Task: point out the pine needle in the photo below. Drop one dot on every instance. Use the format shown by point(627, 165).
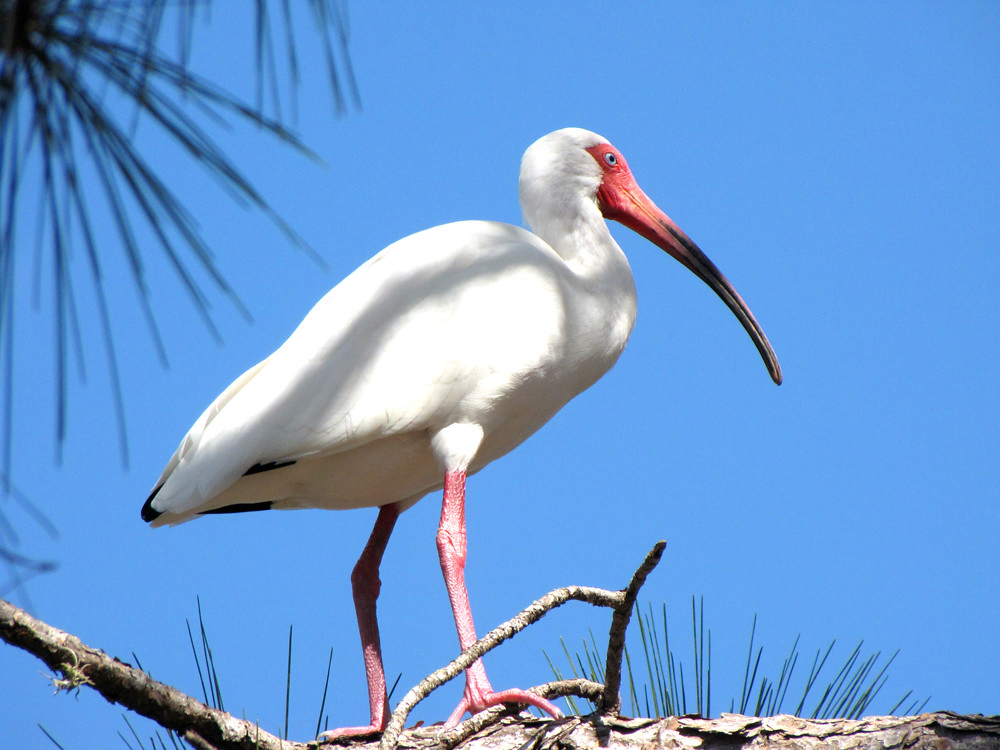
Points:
point(850, 693)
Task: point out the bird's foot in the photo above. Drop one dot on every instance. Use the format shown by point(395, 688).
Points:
point(335, 734)
point(479, 696)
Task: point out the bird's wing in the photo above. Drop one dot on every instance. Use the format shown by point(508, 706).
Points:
point(193, 438)
point(437, 323)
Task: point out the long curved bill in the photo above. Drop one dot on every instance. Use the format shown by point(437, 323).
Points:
point(626, 203)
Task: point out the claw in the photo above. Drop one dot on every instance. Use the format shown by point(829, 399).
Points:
point(479, 696)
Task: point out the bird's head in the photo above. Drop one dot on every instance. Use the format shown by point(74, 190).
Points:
point(569, 168)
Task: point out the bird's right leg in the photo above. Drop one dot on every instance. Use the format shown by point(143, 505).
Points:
point(366, 584)
point(452, 549)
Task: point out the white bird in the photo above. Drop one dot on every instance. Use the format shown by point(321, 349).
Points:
point(439, 355)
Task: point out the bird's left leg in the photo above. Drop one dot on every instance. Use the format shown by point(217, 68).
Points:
point(366, 585)
point(452, 549)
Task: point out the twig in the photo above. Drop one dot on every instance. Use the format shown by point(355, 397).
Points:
point(611, 700)
point(617, 600)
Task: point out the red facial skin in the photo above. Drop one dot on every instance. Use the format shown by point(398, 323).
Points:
point(621, 199)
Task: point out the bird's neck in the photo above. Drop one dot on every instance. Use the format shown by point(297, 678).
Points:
point(601, 272)
point(582, 239)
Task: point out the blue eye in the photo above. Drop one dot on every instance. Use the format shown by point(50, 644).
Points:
point(611, 159)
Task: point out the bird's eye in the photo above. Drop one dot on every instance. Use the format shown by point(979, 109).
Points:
point(611, 159)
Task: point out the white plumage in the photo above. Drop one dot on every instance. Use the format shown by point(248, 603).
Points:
point(437, 356)
point(468, 323)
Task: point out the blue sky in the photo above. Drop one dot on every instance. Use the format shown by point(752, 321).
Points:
point(839, 163)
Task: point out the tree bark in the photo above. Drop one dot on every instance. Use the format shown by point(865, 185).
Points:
point(118, 682)
point(932, 731)
point(207, 728)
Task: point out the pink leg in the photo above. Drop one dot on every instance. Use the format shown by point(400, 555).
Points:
point(452, 549)
point(366, 585)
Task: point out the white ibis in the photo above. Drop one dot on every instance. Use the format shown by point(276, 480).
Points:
point(437, 356)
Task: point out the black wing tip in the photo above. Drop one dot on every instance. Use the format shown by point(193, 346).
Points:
point(149, 513)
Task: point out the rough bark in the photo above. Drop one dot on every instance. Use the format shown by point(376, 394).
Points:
point(80, 664)
point(933, 731)
point(208, 728)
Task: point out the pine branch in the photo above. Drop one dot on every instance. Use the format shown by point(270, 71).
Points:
point(118, 682)
point(207, 728)
point(80, 664)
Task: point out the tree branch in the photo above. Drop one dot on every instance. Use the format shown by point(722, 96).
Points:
point(729, 732)
point(118, 682)
point(206, 728)
point(620, 601)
